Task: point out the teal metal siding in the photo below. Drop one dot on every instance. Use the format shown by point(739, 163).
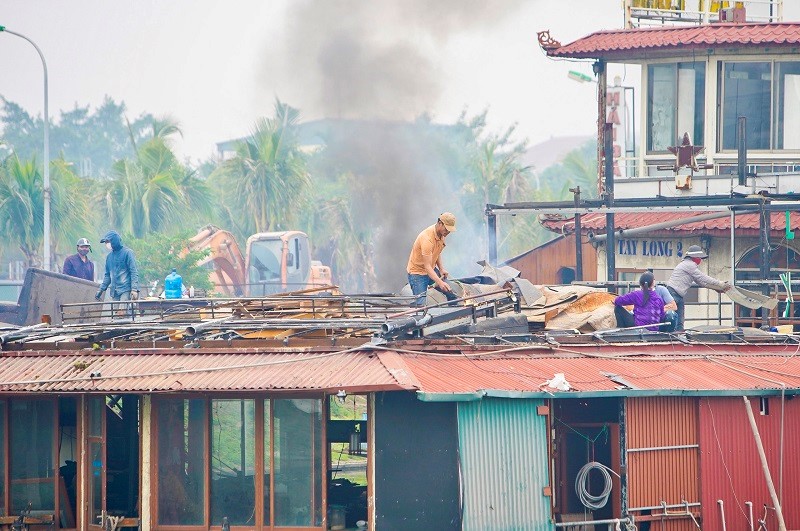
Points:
point(503, 452)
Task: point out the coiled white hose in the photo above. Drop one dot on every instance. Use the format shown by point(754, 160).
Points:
point(582, 488)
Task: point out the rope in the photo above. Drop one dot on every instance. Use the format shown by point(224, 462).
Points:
point(582, 489)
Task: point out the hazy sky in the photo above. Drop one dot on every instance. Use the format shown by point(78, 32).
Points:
point(217, 66)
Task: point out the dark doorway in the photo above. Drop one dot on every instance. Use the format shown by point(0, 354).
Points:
point(585, 431)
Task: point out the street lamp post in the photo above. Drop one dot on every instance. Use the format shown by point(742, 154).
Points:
point(46, 253)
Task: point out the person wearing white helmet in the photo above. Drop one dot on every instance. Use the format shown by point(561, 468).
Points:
point(78, 265)
point(687, 273)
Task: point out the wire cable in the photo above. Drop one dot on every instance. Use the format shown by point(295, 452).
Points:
point(588, 499)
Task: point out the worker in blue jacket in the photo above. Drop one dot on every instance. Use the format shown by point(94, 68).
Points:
point(121, 274)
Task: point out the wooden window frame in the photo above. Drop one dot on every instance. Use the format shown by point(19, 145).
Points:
point(259, 471)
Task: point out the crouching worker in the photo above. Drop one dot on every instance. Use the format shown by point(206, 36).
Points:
point(648, 307)
point(425, 262)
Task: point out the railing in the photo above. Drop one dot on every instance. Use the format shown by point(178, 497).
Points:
point(694, 12)
point(724, 166)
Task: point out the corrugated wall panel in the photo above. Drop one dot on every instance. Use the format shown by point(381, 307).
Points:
point(503, 451)
point(657, 471)
point(730, 466)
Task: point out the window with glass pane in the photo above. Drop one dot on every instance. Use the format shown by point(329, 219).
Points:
point(787, 91)
point(181, 461)
point(297, 460)
point(67, 441)
point(676, 104)
point(96, 482)
point(96, 410)
point(233, 462)
point(747, 91)
point(31, 455)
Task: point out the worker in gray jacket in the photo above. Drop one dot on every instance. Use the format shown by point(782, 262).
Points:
point(687, 273)
point(121, 275)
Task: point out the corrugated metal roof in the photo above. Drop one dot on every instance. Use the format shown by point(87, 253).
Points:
point(623, 371)
point(164, 371)
point(729, 464)
point(661, 434)
point(631, 43)
point(447, 368)
point(746, 224)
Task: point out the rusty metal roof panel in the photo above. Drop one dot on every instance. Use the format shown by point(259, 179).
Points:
point(661, 434)
point(167, 372)
point(730, 469)
point(655, 370)
point(632, 43)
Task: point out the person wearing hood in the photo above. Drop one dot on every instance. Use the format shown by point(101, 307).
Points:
point(122, 275)
point(78, 265)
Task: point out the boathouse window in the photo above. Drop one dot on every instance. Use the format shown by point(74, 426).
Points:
point(675, 104)
point(767, 93)
point(31, 450)
point(181, 461)
point(233, 475)
point(258, 463)
point(41, 435)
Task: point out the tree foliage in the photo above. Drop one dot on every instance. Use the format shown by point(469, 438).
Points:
point(351, 193)
point(22, 211)
point(157, 253)
point(262, 188)
point(153, 191)
point(92, 140)
point(578, 168)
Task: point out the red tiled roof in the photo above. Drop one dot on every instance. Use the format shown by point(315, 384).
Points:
point(746, 224)
point(643, 368)
point(632, 43)
point(151, 371)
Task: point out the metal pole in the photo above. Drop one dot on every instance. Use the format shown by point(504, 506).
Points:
point(733, 264)
point(46, 158)
point(608, 153)
point(741, 148)
point(764, 465)
point(491, 222)
point(764, 226)
point(623, 459)
point(578, 245)
point(599, 69)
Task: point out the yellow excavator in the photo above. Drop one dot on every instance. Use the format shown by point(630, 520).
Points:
point(274, 262)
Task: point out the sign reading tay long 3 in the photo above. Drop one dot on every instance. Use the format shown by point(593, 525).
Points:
point(650, 248)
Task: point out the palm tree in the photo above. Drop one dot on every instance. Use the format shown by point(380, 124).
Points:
point(154, 192)
point(21, 200)
point(263, 186)
point(496, 175)
point(343, 244)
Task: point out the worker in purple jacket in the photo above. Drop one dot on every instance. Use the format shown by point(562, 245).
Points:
point(78, 265)
point(648, 307)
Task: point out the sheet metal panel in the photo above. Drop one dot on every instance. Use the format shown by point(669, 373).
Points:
point(730, 467)
point(416, 464)
point(644, 367)
point(663, 457)
point(167, 371)
point(504, 468)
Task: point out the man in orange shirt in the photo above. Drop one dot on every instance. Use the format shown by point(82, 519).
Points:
point(425, 262)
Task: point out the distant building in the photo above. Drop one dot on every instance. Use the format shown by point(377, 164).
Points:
point(698, 76)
